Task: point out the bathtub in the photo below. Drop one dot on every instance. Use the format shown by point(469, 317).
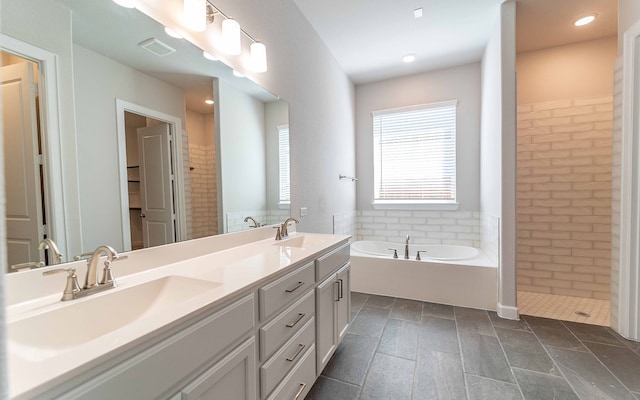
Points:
point(446, 274)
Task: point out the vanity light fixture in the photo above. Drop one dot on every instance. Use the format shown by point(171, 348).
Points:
point(231, 36)
point(408, 58)
point(195, 14)
point(209, 101)
point(126, 3)
point(587, 19)
point(258, 57)
point(172, 33)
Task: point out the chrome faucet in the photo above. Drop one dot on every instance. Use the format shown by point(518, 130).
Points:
point(255, 223)
point(406, 248)
point(49, 244)
point(73, 291)
point(284, 231)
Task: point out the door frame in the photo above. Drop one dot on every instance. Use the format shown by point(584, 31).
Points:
point(57, 227)
point(175, 125)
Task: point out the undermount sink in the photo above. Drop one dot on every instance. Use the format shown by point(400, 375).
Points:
point(80, 321)
point(303, 241)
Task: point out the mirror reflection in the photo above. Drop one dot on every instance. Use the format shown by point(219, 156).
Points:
point(155, 162)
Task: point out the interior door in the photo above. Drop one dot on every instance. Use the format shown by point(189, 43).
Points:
point(156, 185)
point(22, 164)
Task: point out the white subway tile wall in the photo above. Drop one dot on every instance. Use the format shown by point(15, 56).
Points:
point(204, 203)
point(564, 197)
point(424, 227)
point(615, 189)
point(235, 220)
point(490, 236)
point(345, 224)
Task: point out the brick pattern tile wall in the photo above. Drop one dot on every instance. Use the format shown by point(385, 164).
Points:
point(187, 183)
point(615, 190)
point(204, 204)
point(424, 227)
point(564, 197)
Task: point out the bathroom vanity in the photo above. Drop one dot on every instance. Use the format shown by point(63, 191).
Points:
point(254, 318)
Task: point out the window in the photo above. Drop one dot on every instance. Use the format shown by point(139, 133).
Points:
point(414, 154)
point(283, 163)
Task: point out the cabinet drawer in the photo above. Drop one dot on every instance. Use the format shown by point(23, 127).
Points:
point(277, 367)
point(330, 262)
point(184, 352)
point(276, 332)
point(277, 294)
point(297, 384)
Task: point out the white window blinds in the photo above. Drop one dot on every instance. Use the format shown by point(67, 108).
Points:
point(283, 162)
point(414, 152)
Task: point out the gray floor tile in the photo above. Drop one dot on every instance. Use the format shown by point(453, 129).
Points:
point(370, 321)
point(438, 334)
point(588, 377)
point(475, 321)
point(400, 338)
point(388, 378)
point(351, 359)
point(537, 386)
point(358, 300)
point(523, 350)
point(637, 395)
point(480, 388)
point(331, 389)
point(635, 346)
point(409, 310)
point(592, 333)
point(553, 333)
point(438, 376)
point(483, 356)
point(438, 310)
point(624, 364)
point(375, 300)
point(519, 325)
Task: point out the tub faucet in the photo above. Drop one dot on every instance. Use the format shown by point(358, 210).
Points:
point(406, 248)
point(255, 223)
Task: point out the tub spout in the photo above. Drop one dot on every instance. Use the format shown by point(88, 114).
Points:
point(406, 248)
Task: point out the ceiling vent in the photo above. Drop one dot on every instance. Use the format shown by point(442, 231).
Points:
point(156, 47)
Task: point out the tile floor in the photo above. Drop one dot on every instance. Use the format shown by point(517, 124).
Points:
point(564, 308)
point(398, 349)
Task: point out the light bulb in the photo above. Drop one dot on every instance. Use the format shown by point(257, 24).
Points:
point(195, 14)
point(258, 57)
point(231, 36)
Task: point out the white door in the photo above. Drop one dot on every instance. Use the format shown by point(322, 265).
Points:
point(156, 185)
point(22, 166)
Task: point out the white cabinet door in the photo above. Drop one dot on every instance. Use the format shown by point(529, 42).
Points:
point(343, 312)
point(326, 297)
point(232, 378)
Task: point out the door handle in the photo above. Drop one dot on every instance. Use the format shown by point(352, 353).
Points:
point(340, 289)
point(142, 216)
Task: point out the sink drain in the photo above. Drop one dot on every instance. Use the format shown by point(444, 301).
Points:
point(583, 314)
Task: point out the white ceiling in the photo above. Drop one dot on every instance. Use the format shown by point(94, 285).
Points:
point(369, 37)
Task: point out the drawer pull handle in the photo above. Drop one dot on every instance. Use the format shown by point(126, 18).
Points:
point(294, 323)
point(302, 387)
point(300, 283)
point(300, 348)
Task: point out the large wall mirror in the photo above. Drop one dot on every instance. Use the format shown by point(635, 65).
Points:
point(169, 147)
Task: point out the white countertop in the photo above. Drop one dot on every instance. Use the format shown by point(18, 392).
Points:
point(33, 370)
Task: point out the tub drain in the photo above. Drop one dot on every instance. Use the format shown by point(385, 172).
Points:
point(583, 314)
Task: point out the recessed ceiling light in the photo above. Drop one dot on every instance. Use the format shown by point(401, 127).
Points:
point(409, 58)
point(587, 19)
point(172, 33)
point(417, 13)
point(209, 56)
point(209, 101)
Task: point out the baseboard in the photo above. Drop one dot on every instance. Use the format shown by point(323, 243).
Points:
point(508, 312)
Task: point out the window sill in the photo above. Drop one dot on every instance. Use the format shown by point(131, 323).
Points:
point(408, 205)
